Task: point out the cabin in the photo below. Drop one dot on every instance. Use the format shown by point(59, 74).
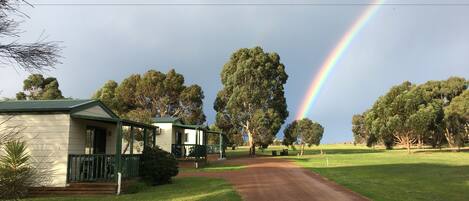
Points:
point(78, 141)
point(185, 141)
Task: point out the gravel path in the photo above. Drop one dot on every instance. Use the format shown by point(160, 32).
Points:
point(272, 179)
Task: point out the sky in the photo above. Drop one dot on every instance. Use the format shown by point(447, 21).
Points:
point(110, 41)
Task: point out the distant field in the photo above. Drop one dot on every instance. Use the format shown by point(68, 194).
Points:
point(387, 175)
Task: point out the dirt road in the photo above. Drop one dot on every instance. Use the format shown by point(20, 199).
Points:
point(273, 179)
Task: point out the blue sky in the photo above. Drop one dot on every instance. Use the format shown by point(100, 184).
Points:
point(103, 42)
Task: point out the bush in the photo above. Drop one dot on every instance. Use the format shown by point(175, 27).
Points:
point(16, 175)
point(157, 166)
point(136, 187)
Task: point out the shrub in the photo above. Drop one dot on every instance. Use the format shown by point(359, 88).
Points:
point(136, 187)
point(157, 166)
point(16, 175)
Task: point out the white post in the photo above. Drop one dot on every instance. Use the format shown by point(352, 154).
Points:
point(119, 178)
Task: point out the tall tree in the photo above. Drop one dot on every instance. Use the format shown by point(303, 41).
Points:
point(252, 98)
point(154, 93)
point(35, 87)
point(35, 56)
point(456, 122)
point(305, 131)
point(358, 128)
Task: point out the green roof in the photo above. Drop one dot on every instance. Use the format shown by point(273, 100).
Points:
point(190, 126)
point(166, 119)
point(42, 105)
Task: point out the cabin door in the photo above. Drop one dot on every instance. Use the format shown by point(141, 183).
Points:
point(99, 145)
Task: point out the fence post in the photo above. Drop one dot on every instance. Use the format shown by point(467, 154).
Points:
point(117, 159)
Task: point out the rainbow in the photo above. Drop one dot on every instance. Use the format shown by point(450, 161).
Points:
point(334, 56)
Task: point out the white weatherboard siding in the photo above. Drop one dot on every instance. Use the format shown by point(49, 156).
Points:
point(47, 137)
point(166, 138)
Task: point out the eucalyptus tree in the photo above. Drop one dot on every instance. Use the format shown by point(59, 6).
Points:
point(36, 87)
point(358, 129)
point(305, 131)
point(252, 99)
point(456, 122)
point(154, 93)
point(411, 113)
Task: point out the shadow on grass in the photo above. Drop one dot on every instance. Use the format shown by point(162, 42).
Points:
point(338, 151)
point(422, 181)
point(445, 150)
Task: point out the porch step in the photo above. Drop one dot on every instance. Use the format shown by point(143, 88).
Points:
point(76, 189)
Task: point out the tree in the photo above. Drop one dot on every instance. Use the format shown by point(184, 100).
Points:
point(305, 131)
point(107, 95)
point(456, 122)
point(252, 99)
point(154, 94)
point(36, 56)
point(358, 128)
point(411, 113)
point(35, 87)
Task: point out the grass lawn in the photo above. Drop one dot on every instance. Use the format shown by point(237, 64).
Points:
point(389, 175)
point(191, 188)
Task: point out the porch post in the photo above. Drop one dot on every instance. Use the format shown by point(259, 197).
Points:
point(145, 137)
point(132, 139)
point(154, 137)
point(117, 158)
point(221, 144)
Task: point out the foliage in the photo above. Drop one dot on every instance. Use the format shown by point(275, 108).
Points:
point(456, 121)
point(305, 131)
point(157, 166)
point(358, 128)
point(36, 56)
point(411, 113)
point(136, 187)
point(141, 97)
point(16, 175)
point(36, 87)
point(252, 99)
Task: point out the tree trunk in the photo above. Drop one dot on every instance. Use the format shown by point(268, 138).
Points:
point(252, 146)
point(419, 141)
point(449, 138)
point(408, 146)
point(302, 149)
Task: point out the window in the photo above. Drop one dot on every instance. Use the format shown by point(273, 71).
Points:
point(186, 137)
point(89, 140)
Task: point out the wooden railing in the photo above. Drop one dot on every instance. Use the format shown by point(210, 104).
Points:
point(100, 167)
point(189, 150)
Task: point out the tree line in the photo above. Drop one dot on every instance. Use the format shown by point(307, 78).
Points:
point(434, 113)
point(251, 103)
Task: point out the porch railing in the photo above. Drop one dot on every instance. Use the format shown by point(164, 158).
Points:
point(100, 167)
point(189, 150)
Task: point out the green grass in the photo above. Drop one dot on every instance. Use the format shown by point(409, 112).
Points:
point(390, 175)
point(187, 189)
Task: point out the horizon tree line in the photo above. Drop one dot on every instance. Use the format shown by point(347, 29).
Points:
point(433, 113)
